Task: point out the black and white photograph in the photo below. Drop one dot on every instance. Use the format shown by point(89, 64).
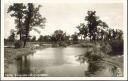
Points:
point(64, 39)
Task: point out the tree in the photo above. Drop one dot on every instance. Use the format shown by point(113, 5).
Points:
point(119, 34)
point(67, 39)
point(101, 34)
point(33, 39)
point(83, 30)
point(46, 38)
point(58, 36)
point(40, 39)
point(93, 22)
point(27, 18)
point(32, 19)
point(11, 38)
point(17, 11)
point(75, 37)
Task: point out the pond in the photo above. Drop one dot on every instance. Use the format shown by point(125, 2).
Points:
point(56, 62)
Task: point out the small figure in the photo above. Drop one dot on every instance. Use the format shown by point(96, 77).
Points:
point(119, 72)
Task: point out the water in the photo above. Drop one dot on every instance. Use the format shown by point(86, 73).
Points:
point(54, 62)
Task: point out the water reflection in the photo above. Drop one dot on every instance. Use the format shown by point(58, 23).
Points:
point(58, 56)
point(92, 69)
point(97, 67)
point(23, 65)
point(62, 62)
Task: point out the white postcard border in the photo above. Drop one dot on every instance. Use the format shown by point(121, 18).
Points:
point(65, 78)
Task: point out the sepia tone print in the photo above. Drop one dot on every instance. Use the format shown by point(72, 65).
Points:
point(63, 40)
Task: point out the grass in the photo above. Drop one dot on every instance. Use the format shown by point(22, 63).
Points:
point(10, 54)
point(116, 60)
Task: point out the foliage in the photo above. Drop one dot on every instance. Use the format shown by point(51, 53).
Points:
point(93, 68)
point(11, 38)
point(83, 30)
point(40, 39)
point(58, 36)
point(93, 22)
point(93, 54)
point(45, 38)
point(94, 57)
point(117, 47)
point(32, 18)
point(33, 39)
point(98, 31)
point(75, 38)
point(17, 11)
point(18, 44)
point(115, 34)
point(27, 17)
point(94, 29)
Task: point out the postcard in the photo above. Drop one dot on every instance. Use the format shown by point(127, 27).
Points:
point(64, 40)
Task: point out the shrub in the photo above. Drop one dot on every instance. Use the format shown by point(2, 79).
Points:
point(18, 44)
point(75, 42)
point(117, 47)
point(106, 48)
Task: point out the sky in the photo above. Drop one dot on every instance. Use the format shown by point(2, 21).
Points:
point(66, 16)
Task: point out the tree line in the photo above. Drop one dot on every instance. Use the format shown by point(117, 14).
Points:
point(97, 29)
point(27, 17)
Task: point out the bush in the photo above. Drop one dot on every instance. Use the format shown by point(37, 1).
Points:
point(62, 44)
point(117, 47)
point(106, 48)
point(18, 44)
point(75, 42)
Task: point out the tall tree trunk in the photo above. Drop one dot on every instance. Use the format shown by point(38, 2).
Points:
point(81, 37)
point(20, 31)
point(90, 38)
point(25, 41)
point(27, 30)
point(20, 36)
point(84, 38)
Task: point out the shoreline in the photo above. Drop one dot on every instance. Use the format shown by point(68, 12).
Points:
point(11, 54)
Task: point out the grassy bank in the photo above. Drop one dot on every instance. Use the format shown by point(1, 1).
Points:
point(116, 60)
point(10, 54)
